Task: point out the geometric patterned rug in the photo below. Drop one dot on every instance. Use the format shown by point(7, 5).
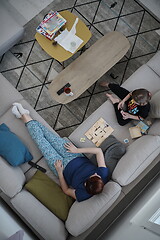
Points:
point(30, 69)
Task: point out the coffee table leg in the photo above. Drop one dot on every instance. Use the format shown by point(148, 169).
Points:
point(63, 65)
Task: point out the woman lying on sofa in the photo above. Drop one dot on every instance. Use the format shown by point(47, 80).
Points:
point(78, 176)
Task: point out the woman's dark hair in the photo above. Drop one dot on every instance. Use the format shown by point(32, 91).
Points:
point(94, 185)
point(141, 96)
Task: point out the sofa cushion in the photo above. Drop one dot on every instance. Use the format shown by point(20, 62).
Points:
point(8, 94)
point(137, 80)
point(84, 214)
point(38, 216)
point(12, 148)
point(138, 156)
point(155, 129)
point(113, 151)
point(153, 63)
point(12, 31)
point(155, 106)
point(50, 194)
point(11, 178)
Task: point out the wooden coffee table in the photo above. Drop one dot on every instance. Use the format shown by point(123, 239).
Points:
point(56, 51)
point(90, 66)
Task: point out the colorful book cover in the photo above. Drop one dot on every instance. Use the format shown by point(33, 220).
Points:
point(143, 127)
point(53, 23)
point(46, 32)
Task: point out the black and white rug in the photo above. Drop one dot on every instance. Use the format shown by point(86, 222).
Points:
point(30, 69)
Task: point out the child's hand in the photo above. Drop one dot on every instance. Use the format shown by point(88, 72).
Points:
point(58, 166)
point(121, 104)
point(70, 147)
point(125, 115)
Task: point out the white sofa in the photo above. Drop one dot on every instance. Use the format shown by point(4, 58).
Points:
point(87, 219)
point(11, 30)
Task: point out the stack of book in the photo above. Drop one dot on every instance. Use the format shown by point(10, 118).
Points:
point(52, 22)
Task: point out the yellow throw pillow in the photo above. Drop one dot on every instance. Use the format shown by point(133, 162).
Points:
point(50, 194)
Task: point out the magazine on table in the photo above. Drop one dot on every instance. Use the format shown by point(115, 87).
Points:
point(52, 22)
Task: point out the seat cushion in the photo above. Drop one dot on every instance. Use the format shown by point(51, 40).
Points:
point(50, 194)
point(12, 178)
point(8, 94)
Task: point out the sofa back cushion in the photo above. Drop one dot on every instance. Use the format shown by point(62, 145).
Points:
point(138, 156)
point(155, 106)
point(153, 63)
point(143, 76)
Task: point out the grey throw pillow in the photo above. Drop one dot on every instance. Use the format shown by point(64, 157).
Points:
point(113, 150)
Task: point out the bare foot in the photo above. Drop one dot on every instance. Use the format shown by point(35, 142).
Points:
point(113, 99)
point(103, 84)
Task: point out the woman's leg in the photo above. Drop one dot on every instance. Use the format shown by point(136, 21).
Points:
point(44, 146)
point(57, 143)
point(38, 133)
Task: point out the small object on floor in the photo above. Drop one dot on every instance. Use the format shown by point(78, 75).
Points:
point(113, 76)
point(18, 55)
point(113, 5)
point(126, 140)
point(35, 165)
point(60, 91)
point(82, 139)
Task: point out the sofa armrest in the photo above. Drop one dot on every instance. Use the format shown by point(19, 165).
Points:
point(138, 157)
point(39, 217)
point(12, 179)
point(83, 215)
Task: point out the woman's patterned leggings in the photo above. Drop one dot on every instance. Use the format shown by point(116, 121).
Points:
point(50, 144)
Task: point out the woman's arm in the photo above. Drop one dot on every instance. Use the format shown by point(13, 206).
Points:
point(68, 191)
point(97, 151)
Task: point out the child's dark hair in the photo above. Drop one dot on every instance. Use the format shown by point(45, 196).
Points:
point(94, 185)
point(141, 96)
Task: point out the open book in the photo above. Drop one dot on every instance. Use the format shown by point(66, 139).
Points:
point(138, 130)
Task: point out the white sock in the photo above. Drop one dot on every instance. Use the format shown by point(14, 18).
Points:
point(16, 112)
point(21, 109)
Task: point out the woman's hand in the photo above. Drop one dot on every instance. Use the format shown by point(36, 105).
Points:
point(121, 104)
point(58, 166)
point(70, 147)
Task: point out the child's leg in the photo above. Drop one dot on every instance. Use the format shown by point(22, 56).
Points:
point(57, 143)
point(119, 116)
point(119, 91)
